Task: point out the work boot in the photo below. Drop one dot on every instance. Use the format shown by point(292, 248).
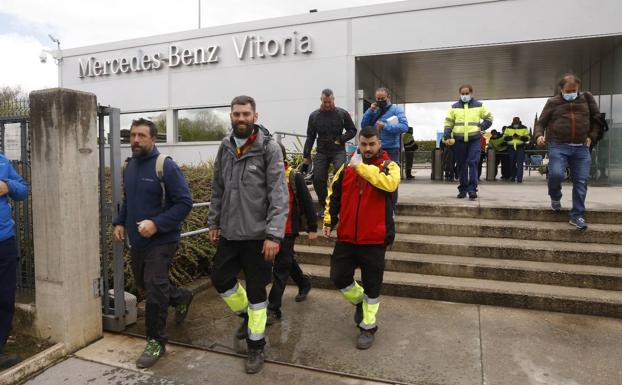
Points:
point(181, 310)
point(254, 361)
point(365, 340)
point(473, 195)
point(461, 195)
point(242, 331)
point(152, 353)
point(8, 360)
point(358, 313)
point(273, 317)
point(303, 291)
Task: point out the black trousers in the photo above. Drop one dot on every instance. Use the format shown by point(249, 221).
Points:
point(369, 258)
point(320, 172)
point(409, 157)
point(151, 272)
point(285, 266)
point(8, 282)
point(235, 256)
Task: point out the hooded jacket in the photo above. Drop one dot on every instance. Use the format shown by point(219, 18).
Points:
point(18, 190)
point(390, 133)
point(249, 193)
point(568, 122)
point(143, 200)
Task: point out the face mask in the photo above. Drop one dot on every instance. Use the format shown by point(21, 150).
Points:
point(570, 96)
point(465, 98)
point(515, 125)
point(381, 103)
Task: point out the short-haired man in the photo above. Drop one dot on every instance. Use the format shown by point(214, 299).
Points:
point(464, 124)
point(14, 187)
point(568, 122)
point(390, 121)
point(247, 218)
point(327, 124)
point(361, 202)
point(517, 137)
point(151, 214)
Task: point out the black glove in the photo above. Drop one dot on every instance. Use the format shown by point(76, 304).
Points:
point(507, 138)
point(524, 138)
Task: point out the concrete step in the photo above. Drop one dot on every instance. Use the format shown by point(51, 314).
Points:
point(586, 276)
point(499, 248)
point(515, 229)
point(487, 292)
point(463, 210)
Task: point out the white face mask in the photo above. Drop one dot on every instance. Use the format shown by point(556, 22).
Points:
point(465, 98)
point(569, 97)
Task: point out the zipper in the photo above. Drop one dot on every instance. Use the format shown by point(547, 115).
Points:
point(358, 205)
point(464, 129)
point(573, 124)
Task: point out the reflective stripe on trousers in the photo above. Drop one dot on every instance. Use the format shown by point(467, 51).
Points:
point(353, 293)
point(236, 299)
point(370, 309)
point(257, 316)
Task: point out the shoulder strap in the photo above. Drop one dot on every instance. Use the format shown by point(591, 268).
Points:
point(159, 168)
point(385, 166)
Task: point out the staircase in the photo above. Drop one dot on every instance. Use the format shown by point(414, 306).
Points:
point(525, 258)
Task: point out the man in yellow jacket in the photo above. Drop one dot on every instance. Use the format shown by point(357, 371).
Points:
point(464, 124)
point(516, 136)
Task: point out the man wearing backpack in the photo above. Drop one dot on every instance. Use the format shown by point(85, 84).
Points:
point(361, 201)
point(13, 187)
point(157, 200)
point(300, 207)
point(327, 124)
point(247, 216)
point(570, 121)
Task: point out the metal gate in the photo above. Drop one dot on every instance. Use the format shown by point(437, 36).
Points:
point(15, 144)
point(112, 261)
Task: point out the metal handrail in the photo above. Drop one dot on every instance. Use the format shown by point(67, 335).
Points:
point(199, 231)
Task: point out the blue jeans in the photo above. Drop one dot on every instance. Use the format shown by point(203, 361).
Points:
point(578, 159)
point(517, 161)
point(466, 155)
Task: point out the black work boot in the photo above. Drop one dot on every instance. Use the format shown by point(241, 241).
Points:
point(472, 195)
point(254, 361)
point(8, 360)
point(358, 313)
point(461, 194)
point(365, 340)
point(273, 317)
point(181, 310)
point(152, 353)
point(242, 331)
point(304, 290)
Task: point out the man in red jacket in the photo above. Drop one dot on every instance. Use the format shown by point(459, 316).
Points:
point(361, 200)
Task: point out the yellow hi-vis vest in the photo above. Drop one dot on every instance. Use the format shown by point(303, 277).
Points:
point(520, 131)
point(463, 120)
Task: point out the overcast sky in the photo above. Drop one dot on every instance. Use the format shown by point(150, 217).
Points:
point(25, 25)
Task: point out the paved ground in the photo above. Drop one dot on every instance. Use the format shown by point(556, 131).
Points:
point(420, 342)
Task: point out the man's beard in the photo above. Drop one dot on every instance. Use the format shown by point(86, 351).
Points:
point(242, 132)
point(138, 150)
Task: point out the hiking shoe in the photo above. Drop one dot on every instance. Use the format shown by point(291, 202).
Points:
point(579, 223)
point(152, 353)
point(461, 195)
point(365, 340)
point(303, 291)
point(273, 317)
point(473, 195)
point(358, 313)
point(181, 310)
point(242, 331)
point(8, 360)
point(556, 205)
point(254, 361)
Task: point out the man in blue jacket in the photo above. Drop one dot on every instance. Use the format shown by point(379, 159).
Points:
point(389, 119)
point(11, 186)
point(156, 202)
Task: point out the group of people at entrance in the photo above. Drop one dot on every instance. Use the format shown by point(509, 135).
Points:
point(509, 147)
point(258, 206)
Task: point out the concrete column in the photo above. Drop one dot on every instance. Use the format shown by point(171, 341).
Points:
point(171, 126)
point(65, 215)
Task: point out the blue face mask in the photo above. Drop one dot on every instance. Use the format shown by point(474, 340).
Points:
point(465, 98)
point(570, 96)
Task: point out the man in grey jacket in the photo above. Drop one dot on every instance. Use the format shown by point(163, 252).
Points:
point(248, 211)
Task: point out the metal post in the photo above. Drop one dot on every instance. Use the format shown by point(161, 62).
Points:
point(117, 247)
point(25, 158)
point(104, 212)
point(491, 164)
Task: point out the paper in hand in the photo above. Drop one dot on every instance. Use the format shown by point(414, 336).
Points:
point(393, 120)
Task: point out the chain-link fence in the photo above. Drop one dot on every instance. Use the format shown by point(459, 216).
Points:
point(15, 145)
